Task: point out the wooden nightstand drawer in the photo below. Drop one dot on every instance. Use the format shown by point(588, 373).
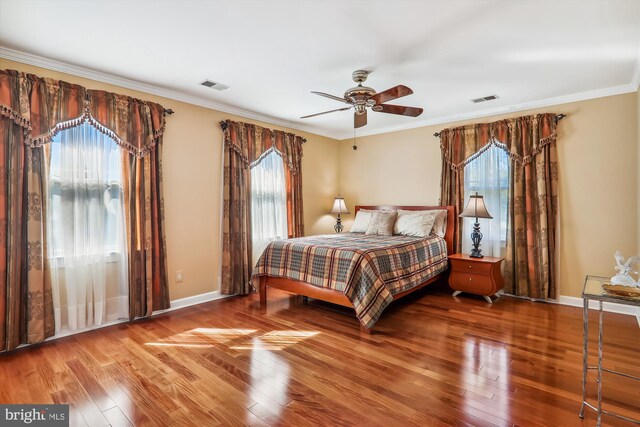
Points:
point(472, 283)
point(471, 267)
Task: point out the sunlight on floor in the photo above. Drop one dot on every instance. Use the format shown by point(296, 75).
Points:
point(202, 337)
point(237, 339)
point(178, 344)
point(276, 340)
point(221, 335)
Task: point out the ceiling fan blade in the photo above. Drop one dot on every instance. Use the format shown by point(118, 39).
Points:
point(325, 112)
point(326, 95)
point(398, 109)
point(359, 120)
point(390, 94)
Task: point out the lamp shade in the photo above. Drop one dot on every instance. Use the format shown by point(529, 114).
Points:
point(475, 208)
point(339, 207)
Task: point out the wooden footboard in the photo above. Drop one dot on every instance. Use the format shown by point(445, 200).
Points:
point(302, 288)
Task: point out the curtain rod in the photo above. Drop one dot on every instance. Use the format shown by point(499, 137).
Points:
point(223, 125)
point(558, 118)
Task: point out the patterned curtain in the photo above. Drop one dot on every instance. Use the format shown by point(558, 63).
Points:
point(533, 200)
point(30, 108)
point(138, 126)
point(32, 111)
point(244, 144)
point(292, 151)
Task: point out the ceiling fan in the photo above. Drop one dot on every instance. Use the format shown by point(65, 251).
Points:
point(361, 97)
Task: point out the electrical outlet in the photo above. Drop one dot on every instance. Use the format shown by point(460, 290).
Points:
point(179, 277)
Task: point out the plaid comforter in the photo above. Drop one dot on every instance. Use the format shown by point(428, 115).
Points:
point(368, 269)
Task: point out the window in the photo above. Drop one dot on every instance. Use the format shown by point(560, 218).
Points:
point(86, 230)
point(268, 202)
point(488, 174)
point(85, 184)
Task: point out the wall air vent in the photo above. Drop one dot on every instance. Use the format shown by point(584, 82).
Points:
point(485, 99)
point(214, 85)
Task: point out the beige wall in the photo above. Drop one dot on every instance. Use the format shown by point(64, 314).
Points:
point(598, 184)
point(192, 174)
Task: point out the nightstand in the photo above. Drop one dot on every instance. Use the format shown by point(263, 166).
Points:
point(481, 276)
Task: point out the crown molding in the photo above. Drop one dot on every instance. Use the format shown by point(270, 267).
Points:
point(88, 73)
point(565, 99)
point(63, 67)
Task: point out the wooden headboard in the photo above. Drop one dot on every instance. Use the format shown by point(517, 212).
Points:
point(450, 235)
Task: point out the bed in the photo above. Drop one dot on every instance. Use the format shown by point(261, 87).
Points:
point(356, 270)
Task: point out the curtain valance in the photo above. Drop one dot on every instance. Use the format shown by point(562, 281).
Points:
point(252, 141)
point(43, 107)
point(521, 137)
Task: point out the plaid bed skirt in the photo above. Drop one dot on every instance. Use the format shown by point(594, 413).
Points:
point(368, 269)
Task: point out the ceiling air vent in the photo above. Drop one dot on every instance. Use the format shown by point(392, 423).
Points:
point(485, 98)
point(214, 85)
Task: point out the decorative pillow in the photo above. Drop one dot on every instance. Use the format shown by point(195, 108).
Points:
point(361, 222)
point(440, 224)
point(414, 224)
point(382, 223)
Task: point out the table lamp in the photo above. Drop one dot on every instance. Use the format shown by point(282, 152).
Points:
point(476, 209)
point(339, 207)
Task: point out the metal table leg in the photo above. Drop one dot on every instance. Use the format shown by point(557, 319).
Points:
point(585, 352)
point(600, 328)
point(594, 291)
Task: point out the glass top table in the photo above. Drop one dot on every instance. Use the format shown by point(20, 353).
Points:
point(594, 290)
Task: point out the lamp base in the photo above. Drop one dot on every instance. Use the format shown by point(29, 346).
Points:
point(476, 237)
point(338, 227)
point(475, 254)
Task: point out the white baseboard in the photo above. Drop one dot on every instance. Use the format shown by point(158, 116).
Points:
point(68, 333)
point(607, 306)
point(192, 300)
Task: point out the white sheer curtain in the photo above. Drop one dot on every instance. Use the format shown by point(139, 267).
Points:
point(85, 213)
point(268, 202)
point(488, 174)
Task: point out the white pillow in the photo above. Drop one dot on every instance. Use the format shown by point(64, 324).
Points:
point(440, 224)
point(415, 224)
point(381, 223)
point(361, 222)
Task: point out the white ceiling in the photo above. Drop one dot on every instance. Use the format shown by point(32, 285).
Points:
point(272, 53)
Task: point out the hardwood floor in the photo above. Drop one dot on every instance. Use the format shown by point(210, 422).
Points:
point(431, 360)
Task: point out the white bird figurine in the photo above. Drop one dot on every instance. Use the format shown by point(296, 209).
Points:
point(624, 268)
